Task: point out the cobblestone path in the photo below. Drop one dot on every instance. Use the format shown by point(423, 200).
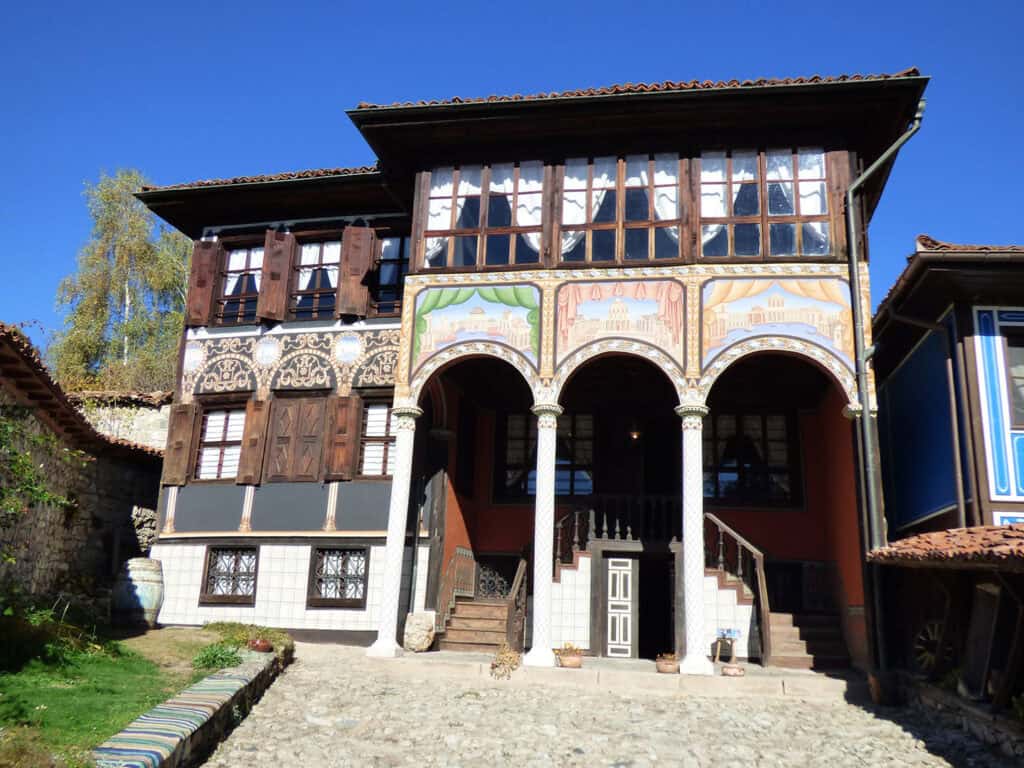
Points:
point(334, 707)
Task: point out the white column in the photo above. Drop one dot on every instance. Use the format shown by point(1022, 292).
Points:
point(405, 435)
point(540, 654)
point(695, 661)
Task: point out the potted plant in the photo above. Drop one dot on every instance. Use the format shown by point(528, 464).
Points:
point(667, 663)
point(261, 645)
point(569, 656)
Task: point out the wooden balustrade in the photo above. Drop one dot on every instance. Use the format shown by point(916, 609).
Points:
point(515, 618)
point(458, 580)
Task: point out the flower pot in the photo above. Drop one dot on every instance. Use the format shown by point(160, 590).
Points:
point(261, 645)
point(574, 661)
point(667, 666)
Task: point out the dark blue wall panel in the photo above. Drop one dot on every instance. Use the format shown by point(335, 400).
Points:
point(289, 507)
point(209, 507)
point(363, 505)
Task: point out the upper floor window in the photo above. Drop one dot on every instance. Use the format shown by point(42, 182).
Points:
point(240, 285)
point(220, 444)
point(485, 216)
point(620, 209)
point(377, 443)
point(1015, 372)
point(771, 204)
point(315, 284)
point(750, 459)
point(516, 467)
point(391, 270)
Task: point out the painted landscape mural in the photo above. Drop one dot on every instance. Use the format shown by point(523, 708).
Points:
point(506, 314)
point(645, 310)
point(815, 310)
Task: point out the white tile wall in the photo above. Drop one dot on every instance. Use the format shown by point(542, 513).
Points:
point(281, 583)
point(570, 606)
point(721, 611)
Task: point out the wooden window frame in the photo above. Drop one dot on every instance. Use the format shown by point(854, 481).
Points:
point(483, 230)
point(621, 225)
point(315, 601)
point(1015, 333)
point(295, 293)
point(217, 403)
point(501, 493)
point(205, 598)
point(221, 299)
point(403, 262)
point(387, 440)
point(763, 218)
point(793, 467)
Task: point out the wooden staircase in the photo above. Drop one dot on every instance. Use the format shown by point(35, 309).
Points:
point(475, 626)
point(807, 641)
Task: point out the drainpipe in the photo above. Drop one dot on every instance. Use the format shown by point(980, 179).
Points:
point(875, 535)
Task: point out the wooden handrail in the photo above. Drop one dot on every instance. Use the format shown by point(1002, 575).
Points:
point(515, 617)
point(459, 580)
point(764, 610)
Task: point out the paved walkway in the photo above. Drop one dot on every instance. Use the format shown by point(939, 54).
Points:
point(335, 707)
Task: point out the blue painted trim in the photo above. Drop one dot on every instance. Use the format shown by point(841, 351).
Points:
point(1017, 443)
point(1011, 316)
point(993, 401)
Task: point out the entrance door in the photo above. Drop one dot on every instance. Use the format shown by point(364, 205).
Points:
point(622, 591)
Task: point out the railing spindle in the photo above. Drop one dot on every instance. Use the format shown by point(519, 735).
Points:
point(721, 550)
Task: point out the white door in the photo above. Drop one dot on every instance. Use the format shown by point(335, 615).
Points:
point(621, 589)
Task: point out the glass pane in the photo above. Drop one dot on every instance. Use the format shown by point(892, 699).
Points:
point(585, 422)
point(574, 246)
point(310, 253)
point(515, 453)
point(529, 209)
point(470, 180)
point(778, 453)
point(236, 421)
point(728, 484)
point(778, 486)
point(469, 213)
point(208, 460)
point(439, 214)
point(812, 198)
point(636, 205)
point(747, 239)
point(712, 166)
point(376, 422)
point(709, 485)
point(780, 199)
point(636, 244)
point(746, 202)
point(531, 176)
point(811, 163)
point(606, 211)
point(715, 239)
point(666, 243)
point(666, 203)
point(603, 248)
point(780, 165)
point(332, 251)
point(436, 251)
point(441, 182)
point(465, 251)
point(373, 459)
point(605, 171)
point(563, 480)
point(575, 173)
point(574, 207)
point(783, 239)
point(752, 427)
point(229, 467)
point(776, 426)
point(502, 178)
point(712, 200)
point(583, 483)
point(744, 165)
point(390, 249)
point(666, 169)
point(517, 425)
point(815, 239)
point(256, 258)
point(526, 250)
point(563, 426)
point(214, 425)
point(583, 452)
point(726, 425)
point(499, 210)
point(237, 260)
point(636, 171)
point(1015, 366)
point(388, 274)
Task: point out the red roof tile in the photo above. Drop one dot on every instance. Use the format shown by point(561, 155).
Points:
point(988, 546)
point(930, 244)
point(668, 86)
point(313, 173)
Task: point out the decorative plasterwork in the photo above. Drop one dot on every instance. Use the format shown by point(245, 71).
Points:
point(624, 347)
point(824, 359)
point(474, 349)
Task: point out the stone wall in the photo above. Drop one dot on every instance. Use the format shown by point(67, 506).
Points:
point(138, 424)
point(80, 548)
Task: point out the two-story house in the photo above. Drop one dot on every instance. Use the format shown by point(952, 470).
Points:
point(577, 367)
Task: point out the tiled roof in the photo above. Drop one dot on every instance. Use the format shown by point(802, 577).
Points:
point(987, 546)
point(130, 399)
point(667, 86)
point(313, 173)
point(930, 244)
point(47, 397)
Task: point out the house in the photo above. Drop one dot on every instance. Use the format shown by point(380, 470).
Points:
point(949, 359)
point(578, 367)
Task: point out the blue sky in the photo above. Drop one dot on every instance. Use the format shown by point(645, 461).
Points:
point(190, 90)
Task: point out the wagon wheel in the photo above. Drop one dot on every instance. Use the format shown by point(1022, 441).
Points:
point(926, 647)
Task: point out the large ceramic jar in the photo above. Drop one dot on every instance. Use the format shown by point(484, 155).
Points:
point(138, 592)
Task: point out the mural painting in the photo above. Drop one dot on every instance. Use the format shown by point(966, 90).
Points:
point(506, 314)
point(644, 310)
point(814, 310)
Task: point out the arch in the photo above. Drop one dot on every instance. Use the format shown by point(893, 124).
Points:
point(640, 349)
point(820, 357)
point(225, 373)
point(443, 359)
point(305, 369)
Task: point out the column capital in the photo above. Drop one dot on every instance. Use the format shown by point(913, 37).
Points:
point(540, 409)
point(691, 409)
point(410, 411)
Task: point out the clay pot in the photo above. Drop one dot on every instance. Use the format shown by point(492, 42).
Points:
point(261, 645)
point(732, 670)
point(138, 593)
point(667, 666)
point(574, 661)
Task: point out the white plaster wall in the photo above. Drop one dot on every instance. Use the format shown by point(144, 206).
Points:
point(281, 583)
point(721, 612)
point(570, 606)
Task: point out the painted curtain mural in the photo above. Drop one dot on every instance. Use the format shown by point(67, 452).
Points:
point(814, 310)
point(645, 310)
point(506, 314)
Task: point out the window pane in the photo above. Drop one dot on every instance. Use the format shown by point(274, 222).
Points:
point(499, 210)
point(636, 171)
point(666, 243)
point(712, 166)
point(229, 467)
point(812, 198)
point(526, 250)
point(583, 452)
point(603, 248)
point(585, 422)
point(390, 249)
point(310, 253)
point(515, 453)
point(583, 483)
point(574, 246)
point(574, 207)
point(469, 180)
point(636, 205)
point(236, 421)
point(752, 427)
point(780, 199)
point(214, 425)
point(783, 239)
point(746, 202)
point(373, 459)
point(531, 176)
point(441, 182)
point(332, 252)
point(747, 239)
point(780, 165)
point(811, 163)
point(529, 209)
point(465, 251)
point(666, 169)
point(497, 249)
point(469, 213)
point(209, 458)
point(376, 422)
point(502, 178)
point(439, 214)
point(666, 203)
point(712, 200)
point(605, 171)
point(776, 424)
point(744, 165)
point(778, 453)
point(517, 425)
point(715, 240)
point(436, 251)
point(815, 239)
point(606, 210)
point(1015, 365)
point(575, 173)
point(636, 244)
point(237, 260)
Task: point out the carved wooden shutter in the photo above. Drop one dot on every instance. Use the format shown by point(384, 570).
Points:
point(344, 417)
point(309, 440)
point(250, 463)
point(180, 429)
point(278, 251)
point(202, 282)
point(357, 249)
point(281, 440)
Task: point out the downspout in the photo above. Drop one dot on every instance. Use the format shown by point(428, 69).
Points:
point(874, 536)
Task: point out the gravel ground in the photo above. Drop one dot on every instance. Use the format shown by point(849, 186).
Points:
point(334, 707)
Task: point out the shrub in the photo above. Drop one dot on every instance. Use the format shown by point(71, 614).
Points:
point(217, 656)
point(239, 635)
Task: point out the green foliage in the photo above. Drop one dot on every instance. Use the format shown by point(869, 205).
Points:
point(217, 656)
point(126, 299)
point(238, 635)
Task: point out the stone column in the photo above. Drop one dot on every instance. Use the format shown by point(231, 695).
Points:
point(387, 629)
point(540, 654)
point(695, 661)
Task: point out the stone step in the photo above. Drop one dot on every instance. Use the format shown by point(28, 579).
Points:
point(833, 647)
point(479, 610)
point(803, 620)
point(448, 645)
point(474, 622)
point(488, 637)
point(806, 661)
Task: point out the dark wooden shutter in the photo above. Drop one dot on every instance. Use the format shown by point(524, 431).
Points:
point(207, 258)
point(344, 419)
point(181, 427)
point(281, 439)
point(357, 249)
point(309, 443)
point(278, 252)
point(250, 463)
